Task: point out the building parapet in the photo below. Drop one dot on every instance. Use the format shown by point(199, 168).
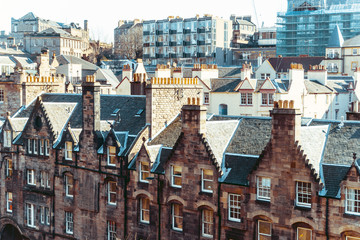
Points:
point(198, 67)
point(175, 81)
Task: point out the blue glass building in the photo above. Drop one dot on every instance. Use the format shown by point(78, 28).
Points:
point(307, 25)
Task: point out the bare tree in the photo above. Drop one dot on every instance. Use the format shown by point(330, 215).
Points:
point(131, 44)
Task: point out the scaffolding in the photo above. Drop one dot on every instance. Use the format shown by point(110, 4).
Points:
point(306, 27)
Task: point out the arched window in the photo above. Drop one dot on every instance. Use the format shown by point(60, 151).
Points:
point(223, 109)
point(111, 192)
point(144, 210)
point(207, 223)
point(177, 217)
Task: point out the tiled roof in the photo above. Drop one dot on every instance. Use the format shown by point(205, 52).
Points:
point(282, 64)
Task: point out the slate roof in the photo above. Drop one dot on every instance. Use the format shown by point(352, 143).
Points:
point(224, 84)
point(251, 136)
point(163, 155)
point(63, 108)
point(352, 42)
point(108, 76)
point(342, 141)
point(66, 59)
point(316, 87)
point(239, 167)
point(282, 64)
point(340, 86)
point(54, 30)
point(333, 175)
point(6, 61)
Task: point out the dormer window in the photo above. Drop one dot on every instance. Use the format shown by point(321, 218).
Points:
point(7, 138)
point(176, 176)
point(144, 171)
point(68, 150)
point(207, 180)
point(111, 155)
point(352, 201)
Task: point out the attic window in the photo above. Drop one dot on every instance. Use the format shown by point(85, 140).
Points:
point(139, 113)
point(115, 112)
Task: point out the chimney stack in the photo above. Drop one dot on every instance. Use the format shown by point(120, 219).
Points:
point(286, 123)
point(193, 117)
point(246, 71)
point(318, 73)
point(91, 107)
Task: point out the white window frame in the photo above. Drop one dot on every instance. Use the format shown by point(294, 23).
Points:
point(110, 192)
point(111, 230)
point(68, 186)
point(47, 147)
point(352, 198)
point(47, 179)
point(42, 214)
point(47, 216)
point(306, 229)
point(30, 146)
point(9, 201)
point(8, 167)
point(302, 192)
point(41, 150)
point(352, 238)
point(68, 150)
point(69, 222)
point(144, 174)
point(174, 217)
point(234, 207)
point(30, 174)
point(42, 178)
point(7, 138)
point(263, 188)
point(205, 222)
point(35, 145)
point(109, 155)
point(173, 176)
point(205, 180)
point(143, 210)
point(30, 215)
point(259, 234)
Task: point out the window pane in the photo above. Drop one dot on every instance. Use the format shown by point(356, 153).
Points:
point(304, 234)
point(264, 227)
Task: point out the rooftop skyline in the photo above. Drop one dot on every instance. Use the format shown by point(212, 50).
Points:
point(103, 18)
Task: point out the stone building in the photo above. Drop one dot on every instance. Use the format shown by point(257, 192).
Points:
point(21, 87)
point(123, 29)
point(94, 166)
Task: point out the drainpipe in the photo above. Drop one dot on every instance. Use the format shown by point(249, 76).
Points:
point(327, 219)
point(159, 188)
point(126, 179)
point(219, 211)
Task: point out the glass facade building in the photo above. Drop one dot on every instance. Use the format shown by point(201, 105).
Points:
point(306, 27)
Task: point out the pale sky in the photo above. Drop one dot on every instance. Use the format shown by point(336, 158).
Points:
point(104, 15)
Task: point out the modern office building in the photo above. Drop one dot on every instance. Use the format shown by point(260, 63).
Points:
point(306, 27)
point(191, 40)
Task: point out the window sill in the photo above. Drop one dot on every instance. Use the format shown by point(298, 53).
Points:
point(303, 208)
point(351, 214)
point(263, 202)
point(246, 105)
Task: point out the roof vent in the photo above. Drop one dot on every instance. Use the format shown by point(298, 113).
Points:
point(139, 113)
